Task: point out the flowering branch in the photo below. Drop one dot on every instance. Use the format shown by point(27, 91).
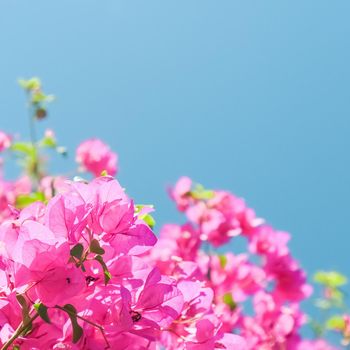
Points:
point(22, 328)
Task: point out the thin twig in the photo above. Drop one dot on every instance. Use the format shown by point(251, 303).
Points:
point(87, 321)
point(21, 328)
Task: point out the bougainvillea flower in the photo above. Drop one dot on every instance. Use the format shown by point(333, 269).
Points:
point(5, 141)
point(95, 156)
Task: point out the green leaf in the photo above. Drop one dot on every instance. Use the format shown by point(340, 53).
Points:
point(336, 296)
point(77, 330)
point(139, 207)
point(39, 97)
point(228, 300)
point(30, 84)
point(200, 193)
point(149, 220)
point(41, 309)
point(23, 200)
point(96, 248)
point(48, 142)
point(332, 279)
point(335, 323)
point(317, 328)
point(25, 311)
point(223, 260)
point(23, 147)
point(107, 274)
point(77, 251)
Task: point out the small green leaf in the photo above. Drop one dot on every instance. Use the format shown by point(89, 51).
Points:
point(77, 330)
point(223, 260)
point(331, 279)
point(48, 142)
point(96, 248)
point(149, 220)
point(41, 309)
point(77, 251)
point(335, 323)
point(106, 273)
point(39, 97)
point(139, 207)
point(200, 193)
point(23, 147)
point(336, 296)
point(228, 300)
point(23, 200)
point(70, 309)
point(30, 84)
point(317, 328)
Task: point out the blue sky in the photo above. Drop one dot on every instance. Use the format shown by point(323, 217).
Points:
point(250, 96)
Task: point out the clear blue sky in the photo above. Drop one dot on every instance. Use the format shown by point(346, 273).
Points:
point(251, 96)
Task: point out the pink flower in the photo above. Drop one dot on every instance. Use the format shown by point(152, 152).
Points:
point(10, 316)
point(186, 240)
point(95, 156)
point(68, 280)
point(235, 275)
point(51, 185)
point(89, 247)
point(9, 190)
point(5, 141)
point(100, 210)
point(208, 337)
point(158, 303)
point(346, 330)
point(139, 305)
point(290, 279)
point(67, 216)
point(266, 241)
point(180, 193)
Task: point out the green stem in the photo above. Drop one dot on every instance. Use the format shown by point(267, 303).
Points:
point(21, 329)
point(33, 140)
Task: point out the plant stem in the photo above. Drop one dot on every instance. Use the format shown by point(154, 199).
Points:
point(32, 127)
point(33, 140)
point(87, 321)
point(21, 328)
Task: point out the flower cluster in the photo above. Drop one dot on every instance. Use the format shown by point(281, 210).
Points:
point(95, 156)
point(5, 141)
point(81, 268)
point(72, 272)
point(267, 275)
